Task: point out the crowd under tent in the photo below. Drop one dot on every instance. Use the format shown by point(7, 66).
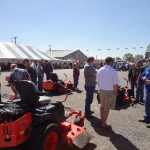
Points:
point(11, 51)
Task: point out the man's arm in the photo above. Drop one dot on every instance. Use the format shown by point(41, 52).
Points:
point(138, 78)
point(116, 89)
point(14, 90)
point(116, 82)
point(27, 75)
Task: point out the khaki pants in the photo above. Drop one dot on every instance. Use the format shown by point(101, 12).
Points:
point(108, 99)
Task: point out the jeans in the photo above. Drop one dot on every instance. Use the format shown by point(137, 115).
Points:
point(40, 80)
point(76, 82)
point(147, 107)
point(89, 98)
point(48, 76)
point(133, 85)
point(140, 91)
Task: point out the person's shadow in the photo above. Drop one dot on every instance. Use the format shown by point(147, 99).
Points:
point(119, 141)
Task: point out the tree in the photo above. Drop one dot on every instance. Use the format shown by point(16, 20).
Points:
point(138, 57)
point(128, 57)
point(118, 58)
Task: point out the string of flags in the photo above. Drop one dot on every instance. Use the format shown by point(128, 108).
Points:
point(124, 48)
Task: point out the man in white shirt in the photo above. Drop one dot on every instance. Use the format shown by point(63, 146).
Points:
point(107, 80)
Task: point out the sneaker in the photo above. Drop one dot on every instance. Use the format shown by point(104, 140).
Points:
point(141, 101)
point(135, 101)
point(91, 112)
point(144, 121)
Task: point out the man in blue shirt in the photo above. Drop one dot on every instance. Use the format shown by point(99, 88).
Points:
point(146, 78)
point(17, 74)
point(90, 82)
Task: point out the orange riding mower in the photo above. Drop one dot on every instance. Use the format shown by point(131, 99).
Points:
point(41, 122)
point(124, 95)
point(54, 85)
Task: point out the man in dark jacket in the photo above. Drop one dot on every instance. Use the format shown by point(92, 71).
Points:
point(48, 69)
point(140, 82)
point(76, 74)
point(30, 70)
point(132, 77)
point(40, 74)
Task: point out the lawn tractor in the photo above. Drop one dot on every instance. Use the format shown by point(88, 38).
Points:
point(41, 123)
point(124, 95)
point(54, 85)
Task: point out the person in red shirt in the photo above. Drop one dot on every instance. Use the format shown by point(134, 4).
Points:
point(76, 74)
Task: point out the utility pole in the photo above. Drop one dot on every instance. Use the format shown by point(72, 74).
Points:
point(15, 39)
point(50, 47)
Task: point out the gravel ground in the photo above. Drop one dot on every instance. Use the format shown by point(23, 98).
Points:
point(127, 134)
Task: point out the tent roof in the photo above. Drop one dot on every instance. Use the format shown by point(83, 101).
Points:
point(17, 51)
point(59, 53)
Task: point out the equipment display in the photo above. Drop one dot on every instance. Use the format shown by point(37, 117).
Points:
point(124, 95)
point(54, 85)
point(41, 122)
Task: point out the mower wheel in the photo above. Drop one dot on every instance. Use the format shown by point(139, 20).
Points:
point(78, 120)
point(130, 93)
point(45, 137)
point(46, 90)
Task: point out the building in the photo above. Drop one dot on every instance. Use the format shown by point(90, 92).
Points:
point(75, 55)
point(147, 53)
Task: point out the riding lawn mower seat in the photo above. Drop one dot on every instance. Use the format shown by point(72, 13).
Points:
point(29, 94)
point(54, 78)
point(42, 109)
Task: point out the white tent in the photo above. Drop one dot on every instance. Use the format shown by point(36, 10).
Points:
point(17, 51)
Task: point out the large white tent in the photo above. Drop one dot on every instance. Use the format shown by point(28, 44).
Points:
point(10, 50)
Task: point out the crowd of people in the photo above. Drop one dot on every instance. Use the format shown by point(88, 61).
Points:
point(5, 66)
point(139, 75)
point(107, 79)
point(33, 71)
point(105, 75)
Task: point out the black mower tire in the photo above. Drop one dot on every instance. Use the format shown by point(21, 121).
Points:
point(60, 90)
point(46, 90)
point(40, 133)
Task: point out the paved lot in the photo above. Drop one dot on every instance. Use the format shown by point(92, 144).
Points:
point(127, 134)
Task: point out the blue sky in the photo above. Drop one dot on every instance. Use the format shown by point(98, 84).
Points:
point(78, 24)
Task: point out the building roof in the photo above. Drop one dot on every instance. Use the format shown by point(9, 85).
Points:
point(59, 53)
point(148, 48)
point(10, 50)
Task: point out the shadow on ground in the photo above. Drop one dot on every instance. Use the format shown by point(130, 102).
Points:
point(90, 146)
point(125, 106)
point(119, 141)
